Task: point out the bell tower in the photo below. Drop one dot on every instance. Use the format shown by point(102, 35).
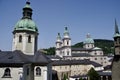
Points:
point(58, 45)
point(25, 33)
point(116, 59)
point(117, 40)
point(66, 43)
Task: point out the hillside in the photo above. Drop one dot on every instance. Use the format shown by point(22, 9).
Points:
point(106, 45)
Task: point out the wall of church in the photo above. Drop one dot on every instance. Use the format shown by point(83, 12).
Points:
point(96, 52)
point(26, 44)
point(43, 75)
point(15, 73)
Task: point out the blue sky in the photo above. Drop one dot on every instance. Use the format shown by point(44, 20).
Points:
point(51, 16)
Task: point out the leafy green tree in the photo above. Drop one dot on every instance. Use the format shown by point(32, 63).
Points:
point(80, 79)
point(93, 75)
point(106, 45)
point(50, 51)
point(65, 77)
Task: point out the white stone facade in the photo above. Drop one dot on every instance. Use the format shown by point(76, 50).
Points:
point(26, 42)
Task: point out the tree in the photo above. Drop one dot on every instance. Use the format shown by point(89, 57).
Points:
point(50, 51)
point(65, 77)
point(93, 75)
point(80, 79)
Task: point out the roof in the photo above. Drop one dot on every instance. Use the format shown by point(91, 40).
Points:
point(81, 55)
point(117, 34)
point(75, 62)
point(66, 33)
point(96, 48)
point(26, 23)
point(80, 49)
point(88, 40)
point(17, 58)
point(84, 49)
point(105, 73)
point(41, 58)
point(53, 57)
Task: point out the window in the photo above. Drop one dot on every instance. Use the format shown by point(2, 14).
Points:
point(38, 71)
point(67, 42)
point(27, 71)
point(67, 52)
point(88, 45)
point(95, 58)
point(20, 38)
point(95, 53)
point(7, 73)
point(29, 39)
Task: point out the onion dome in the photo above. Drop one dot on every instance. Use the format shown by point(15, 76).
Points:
point(88, 40)
point(26, 23)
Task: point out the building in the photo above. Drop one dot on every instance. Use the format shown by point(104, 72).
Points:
point(89, 50)
point(24, 62)
point(70, 61)
point(116, 59)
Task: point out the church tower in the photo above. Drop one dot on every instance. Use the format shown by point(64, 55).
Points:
point(58, 45)
point(25, 33)
point(89, 42)
point(66, 49)
point(117, 40)
point(116, 59)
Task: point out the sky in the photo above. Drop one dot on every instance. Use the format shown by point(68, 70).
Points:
point(52, 16)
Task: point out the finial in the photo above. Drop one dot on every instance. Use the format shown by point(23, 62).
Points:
point(88, 35)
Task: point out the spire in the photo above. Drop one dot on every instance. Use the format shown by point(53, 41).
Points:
point(27, 11)
point(66, 33)
point(116, 28)
point(58, 36)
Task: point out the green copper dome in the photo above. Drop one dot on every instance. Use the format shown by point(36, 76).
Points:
point(26, 24)
point(88, 40)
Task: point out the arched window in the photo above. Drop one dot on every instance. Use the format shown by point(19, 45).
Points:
point(7, 73)
point(38, 71)
point(27, 71)
point(29, 39)
point(67, 42)
point(67, 52)
point(20, 38)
